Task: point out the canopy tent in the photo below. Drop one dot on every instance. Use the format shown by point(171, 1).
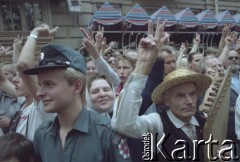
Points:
point(207, 18)
point(186, 18)
point(108, 17)
point(225, 17)
point(135, 20)
point(133, 26)
point(237, 19)
point(164, 14)
point(137, 17)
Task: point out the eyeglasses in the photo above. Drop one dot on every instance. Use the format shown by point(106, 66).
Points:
point(54, 62)
point(233, 57)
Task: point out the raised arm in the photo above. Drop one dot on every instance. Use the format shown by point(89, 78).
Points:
point(196, 43)
point(17, 48)
point(225, 31)
point(228, 43)
point(125, 118)
point(101, 64)
point(6, 85)
point(182, 51)
point(154, 79)
point(26, 59)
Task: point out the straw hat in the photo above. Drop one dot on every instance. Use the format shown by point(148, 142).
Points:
point(180, 76)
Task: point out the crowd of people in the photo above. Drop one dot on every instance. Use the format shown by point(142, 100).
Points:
point(96, 103)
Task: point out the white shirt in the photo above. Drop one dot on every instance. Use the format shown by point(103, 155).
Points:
point(125, 118)
point(33, 116)
point(180, 124)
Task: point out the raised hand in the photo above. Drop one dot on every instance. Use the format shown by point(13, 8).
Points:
point(113, 44)
point(99, 36)
point(4, 51)
point(87, 35)
point(197, 39)
point(17, 41)
point(149, 47)
point(44, 30)
point(183, 47)
point(90, 48)
point(161, 36)
point(229, 38)
point(226, 29)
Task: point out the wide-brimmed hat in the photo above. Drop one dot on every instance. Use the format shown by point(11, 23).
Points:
point(180, 76)
point(59, 56)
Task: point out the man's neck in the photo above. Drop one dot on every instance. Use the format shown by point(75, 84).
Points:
point(29, 101)
point(68, 117)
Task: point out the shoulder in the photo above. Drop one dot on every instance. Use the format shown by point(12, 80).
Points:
point(43, 128)
point(100, 120)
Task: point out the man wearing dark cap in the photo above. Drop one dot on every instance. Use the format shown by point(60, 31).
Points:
point(75, 134)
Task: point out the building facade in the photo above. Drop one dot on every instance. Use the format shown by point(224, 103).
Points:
point(20, 16)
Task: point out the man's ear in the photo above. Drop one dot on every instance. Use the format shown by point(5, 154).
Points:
point(165, 100)
point(78, 86)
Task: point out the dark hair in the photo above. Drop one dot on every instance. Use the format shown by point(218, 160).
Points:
point(96, 76)
point(16, 145)
point(190, 56)
point(88, 59)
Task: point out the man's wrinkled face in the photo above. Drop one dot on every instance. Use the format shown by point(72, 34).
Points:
point(182, 100)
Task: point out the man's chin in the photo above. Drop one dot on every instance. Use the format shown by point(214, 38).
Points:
point(48, 109)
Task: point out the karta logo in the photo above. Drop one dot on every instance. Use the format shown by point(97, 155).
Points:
point(227, 149)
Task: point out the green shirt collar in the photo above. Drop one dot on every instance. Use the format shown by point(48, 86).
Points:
point(82, 123)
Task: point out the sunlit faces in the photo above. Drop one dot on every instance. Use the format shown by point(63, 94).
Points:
point(21, 89)
point(196, 62)
point(182, 100)
point(101, 95)
point(169, 62)
point(55, 91)
point(124, 69)
point(91, 67)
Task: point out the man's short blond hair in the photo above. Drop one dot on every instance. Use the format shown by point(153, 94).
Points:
point(71, 75)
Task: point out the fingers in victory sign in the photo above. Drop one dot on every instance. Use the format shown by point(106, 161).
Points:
point(88, 42)
point(149, 47)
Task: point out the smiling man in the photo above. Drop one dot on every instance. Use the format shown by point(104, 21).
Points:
point(76, 134)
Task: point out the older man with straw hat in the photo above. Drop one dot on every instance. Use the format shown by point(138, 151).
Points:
point(179, 91)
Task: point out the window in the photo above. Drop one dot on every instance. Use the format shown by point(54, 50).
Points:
point(33, 14)
point(11, 15)
point(17, 15)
